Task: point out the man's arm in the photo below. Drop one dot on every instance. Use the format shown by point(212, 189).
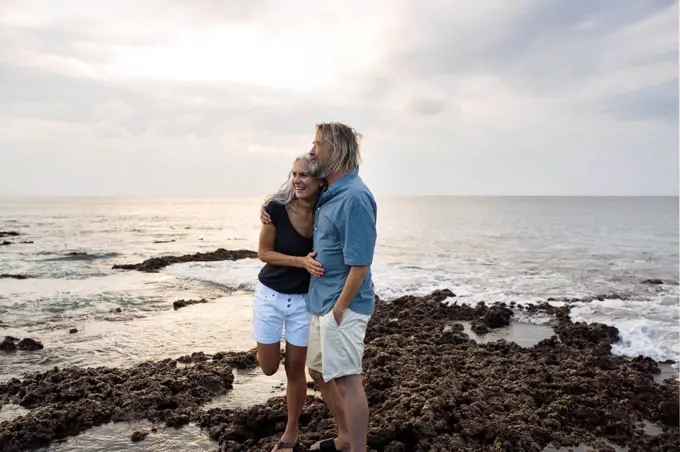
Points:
point(352, 285)
point(266, 253)
point(358, 234)
point(265, 218)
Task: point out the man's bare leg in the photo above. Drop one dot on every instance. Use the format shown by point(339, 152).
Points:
point(356, 410)
point(334, 400)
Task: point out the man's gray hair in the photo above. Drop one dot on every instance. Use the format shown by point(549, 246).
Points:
point(344, 141)
point(286, 193)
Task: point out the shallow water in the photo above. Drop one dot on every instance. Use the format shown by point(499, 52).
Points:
point(116, 437)
point(127, 338)
point(523, 334)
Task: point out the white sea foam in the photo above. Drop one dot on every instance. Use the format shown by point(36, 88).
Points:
point(655, 335)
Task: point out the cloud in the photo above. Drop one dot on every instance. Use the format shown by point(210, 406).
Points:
point(524, 97)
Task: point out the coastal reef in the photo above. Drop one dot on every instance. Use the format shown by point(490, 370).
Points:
point(156, 263)
point(65, 402)
point(429, 387)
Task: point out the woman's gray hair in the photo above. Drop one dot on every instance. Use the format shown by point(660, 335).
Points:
point(286, 193)
point(345, 155)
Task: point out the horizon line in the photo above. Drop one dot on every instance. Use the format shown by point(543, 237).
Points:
point(376, 195)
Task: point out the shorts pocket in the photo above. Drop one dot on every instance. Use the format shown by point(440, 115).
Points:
point(329, 320)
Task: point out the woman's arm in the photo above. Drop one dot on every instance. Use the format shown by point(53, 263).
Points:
point(266, 253)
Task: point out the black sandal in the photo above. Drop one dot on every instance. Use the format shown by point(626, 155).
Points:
point(281, 445)
point(328, 445)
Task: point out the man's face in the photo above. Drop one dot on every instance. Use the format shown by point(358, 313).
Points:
point(321, 150)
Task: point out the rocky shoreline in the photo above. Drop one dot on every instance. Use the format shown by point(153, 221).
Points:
point(65, 402)
point(429, 386)
point(156, 263)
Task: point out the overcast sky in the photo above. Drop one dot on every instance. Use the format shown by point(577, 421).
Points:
point(215, 97)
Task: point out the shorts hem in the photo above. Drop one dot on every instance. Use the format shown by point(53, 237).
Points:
point(305, 344)
point(342, 373)
point(314, 368)
point(263, 341)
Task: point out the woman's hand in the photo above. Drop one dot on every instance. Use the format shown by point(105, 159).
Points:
point(311, 265)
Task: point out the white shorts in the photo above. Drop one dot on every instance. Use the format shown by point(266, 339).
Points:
point(337, 351)
point(274, 313)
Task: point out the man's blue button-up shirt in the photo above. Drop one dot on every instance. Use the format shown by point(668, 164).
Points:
point(344, 236)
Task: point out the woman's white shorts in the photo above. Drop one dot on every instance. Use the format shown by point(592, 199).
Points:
point(275, 313)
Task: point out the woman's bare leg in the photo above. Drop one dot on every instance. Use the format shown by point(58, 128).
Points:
point(296, 390)
point(269, 357)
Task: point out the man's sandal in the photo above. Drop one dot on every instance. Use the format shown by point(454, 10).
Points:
point(328, 445)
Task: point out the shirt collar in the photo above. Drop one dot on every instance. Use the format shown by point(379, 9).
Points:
point(339, 185)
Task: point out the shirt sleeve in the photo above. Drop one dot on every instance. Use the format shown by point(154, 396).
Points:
point(273, 208)
point(358, 232)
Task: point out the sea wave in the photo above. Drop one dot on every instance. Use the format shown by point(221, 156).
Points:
point(82, 256)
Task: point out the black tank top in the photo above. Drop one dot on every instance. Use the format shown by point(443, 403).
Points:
point(288, 280)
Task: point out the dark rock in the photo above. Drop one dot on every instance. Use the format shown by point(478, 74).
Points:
point(198, 357)
point(183, 303)
point(139, 436)
point(238, 360)
point(29, 344)
point(76, 253)
point(8, 345)
point(584, 335)
point(479, 328)
point(13, 276)
point(588, 299)
point(497, 316)
point(164, 241)
point(5, 243)
point(65, 402)
point(27, 242)
point(652, 281)
point(157, 263)
point(116, 310)
point(186, 359)
point(73, 331)
point(9, 234)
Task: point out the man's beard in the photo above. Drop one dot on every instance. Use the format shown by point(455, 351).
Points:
point(322, 167)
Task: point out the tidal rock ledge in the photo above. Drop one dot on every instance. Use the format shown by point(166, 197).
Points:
point(179, 304)
point(430, 387)
point(65, 402)
point(156, 263)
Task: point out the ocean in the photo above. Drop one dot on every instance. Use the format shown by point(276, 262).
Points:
point(521, 249)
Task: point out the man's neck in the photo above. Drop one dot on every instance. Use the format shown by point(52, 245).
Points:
point(333, 178)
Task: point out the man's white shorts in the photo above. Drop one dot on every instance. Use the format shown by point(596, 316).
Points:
point(337, 351)
point(274, 313)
